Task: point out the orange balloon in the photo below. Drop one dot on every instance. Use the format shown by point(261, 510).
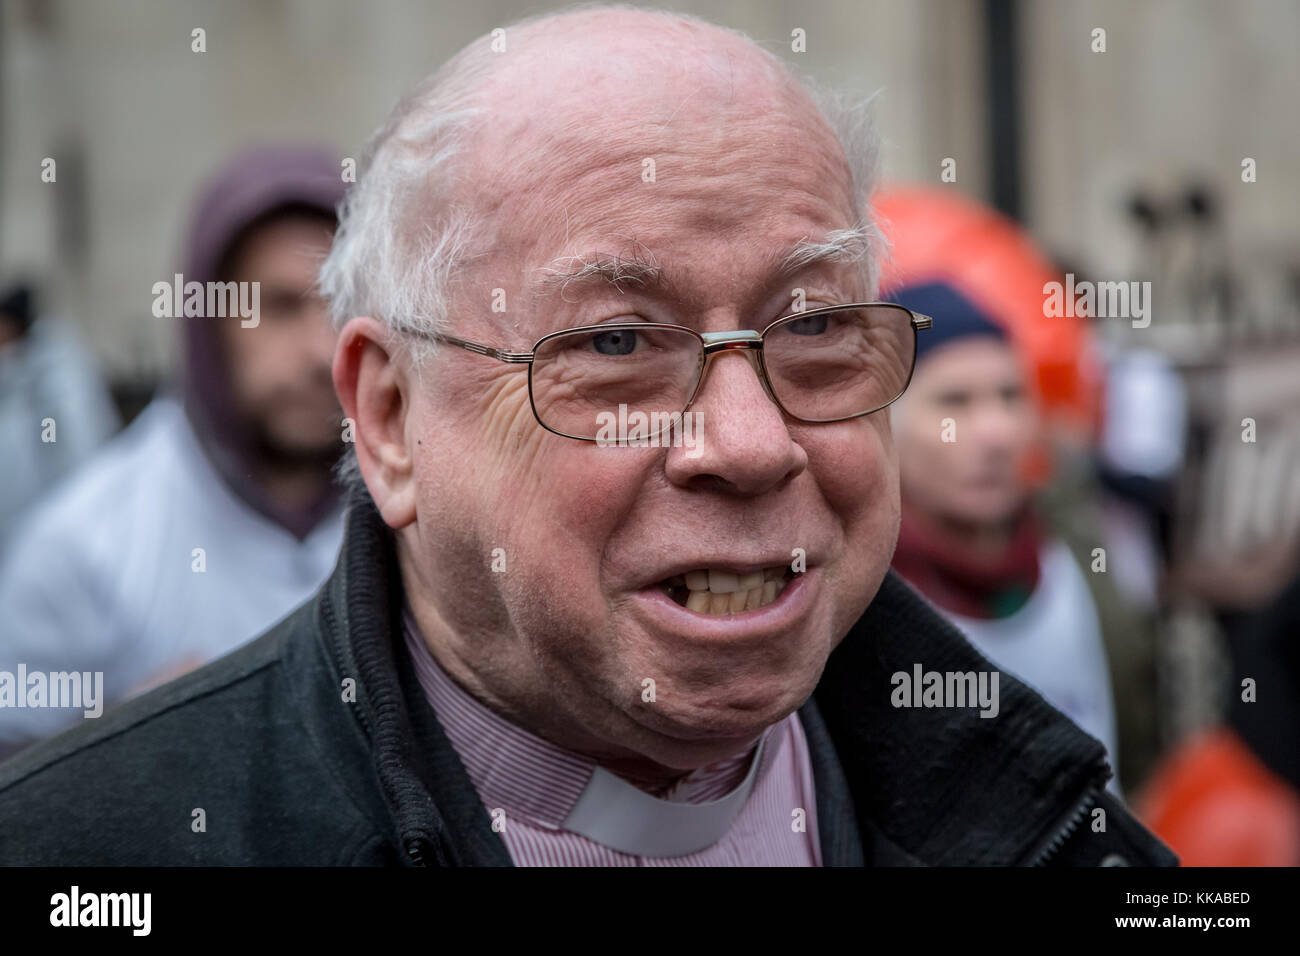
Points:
point(938, 235)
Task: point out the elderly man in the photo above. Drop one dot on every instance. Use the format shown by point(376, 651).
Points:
point(545, 645)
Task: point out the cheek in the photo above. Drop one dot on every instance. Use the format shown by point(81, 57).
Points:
point(925, 460)
point(551, 503)
point(244, 358)
point(536, 479)
point(856, 467)
point(474, 447)
point(261, 357)
point(1027, 430)
point(857, 473)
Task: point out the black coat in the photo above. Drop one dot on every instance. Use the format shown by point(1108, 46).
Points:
point(285, 771)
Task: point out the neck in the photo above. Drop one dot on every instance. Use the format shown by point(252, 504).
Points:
point(644, 774)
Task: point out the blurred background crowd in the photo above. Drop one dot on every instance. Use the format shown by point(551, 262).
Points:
point(1113, 514)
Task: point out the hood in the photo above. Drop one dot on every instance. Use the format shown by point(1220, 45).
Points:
point(248, 187)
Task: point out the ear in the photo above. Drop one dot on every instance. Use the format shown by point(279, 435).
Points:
point(373, 386)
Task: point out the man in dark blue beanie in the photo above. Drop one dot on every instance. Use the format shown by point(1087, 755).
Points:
point(970, 539)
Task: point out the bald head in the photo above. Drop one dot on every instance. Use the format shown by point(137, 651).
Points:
point(608, 85)
point(620, 128)
point(592, 104)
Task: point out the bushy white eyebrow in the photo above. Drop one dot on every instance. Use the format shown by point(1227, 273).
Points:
point(639, 270)
point(840, 245)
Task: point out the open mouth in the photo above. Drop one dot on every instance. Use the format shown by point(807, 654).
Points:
point(709, 591)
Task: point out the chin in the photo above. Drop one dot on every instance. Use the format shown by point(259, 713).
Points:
point(984, 508)
point(306, 444)
point(725, 716)
point(691, 749)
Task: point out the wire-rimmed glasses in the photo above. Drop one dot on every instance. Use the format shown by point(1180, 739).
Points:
point(819, 366)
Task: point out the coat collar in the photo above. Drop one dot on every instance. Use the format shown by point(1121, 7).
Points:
point(906, 786)
point(939, 786)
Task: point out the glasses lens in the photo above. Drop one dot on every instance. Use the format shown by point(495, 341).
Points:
point(833, 365)
point(585, 382)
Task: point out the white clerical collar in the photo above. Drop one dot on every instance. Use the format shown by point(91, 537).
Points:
point(616, 814)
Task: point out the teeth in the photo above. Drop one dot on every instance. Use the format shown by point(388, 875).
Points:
point(723, 592)
point(723, 582)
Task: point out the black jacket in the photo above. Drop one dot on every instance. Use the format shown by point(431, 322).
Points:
point(258, 759)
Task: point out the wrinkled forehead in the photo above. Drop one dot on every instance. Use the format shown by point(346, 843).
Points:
point(684, 163)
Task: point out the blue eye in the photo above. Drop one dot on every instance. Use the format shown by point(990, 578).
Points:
point(617, 342)
point(810, 325)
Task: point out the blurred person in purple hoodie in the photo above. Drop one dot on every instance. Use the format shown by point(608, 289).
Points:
point(215, 513)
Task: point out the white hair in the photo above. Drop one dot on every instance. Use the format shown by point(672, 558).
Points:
point(403, 231)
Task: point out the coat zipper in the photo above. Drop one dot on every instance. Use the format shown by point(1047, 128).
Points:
point(1066, 830)
point(414, 851)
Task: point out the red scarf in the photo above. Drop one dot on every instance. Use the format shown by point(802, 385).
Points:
point(944, 567)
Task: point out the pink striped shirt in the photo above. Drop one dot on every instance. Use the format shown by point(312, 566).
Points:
point(537, 784)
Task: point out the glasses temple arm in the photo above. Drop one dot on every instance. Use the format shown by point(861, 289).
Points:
point(500, 355)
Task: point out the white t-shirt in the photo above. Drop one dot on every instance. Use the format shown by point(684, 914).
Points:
point(106, 573)
point(1054, 644)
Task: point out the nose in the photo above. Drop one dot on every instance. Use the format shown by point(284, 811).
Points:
point(997, 428)
point(742, 445)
